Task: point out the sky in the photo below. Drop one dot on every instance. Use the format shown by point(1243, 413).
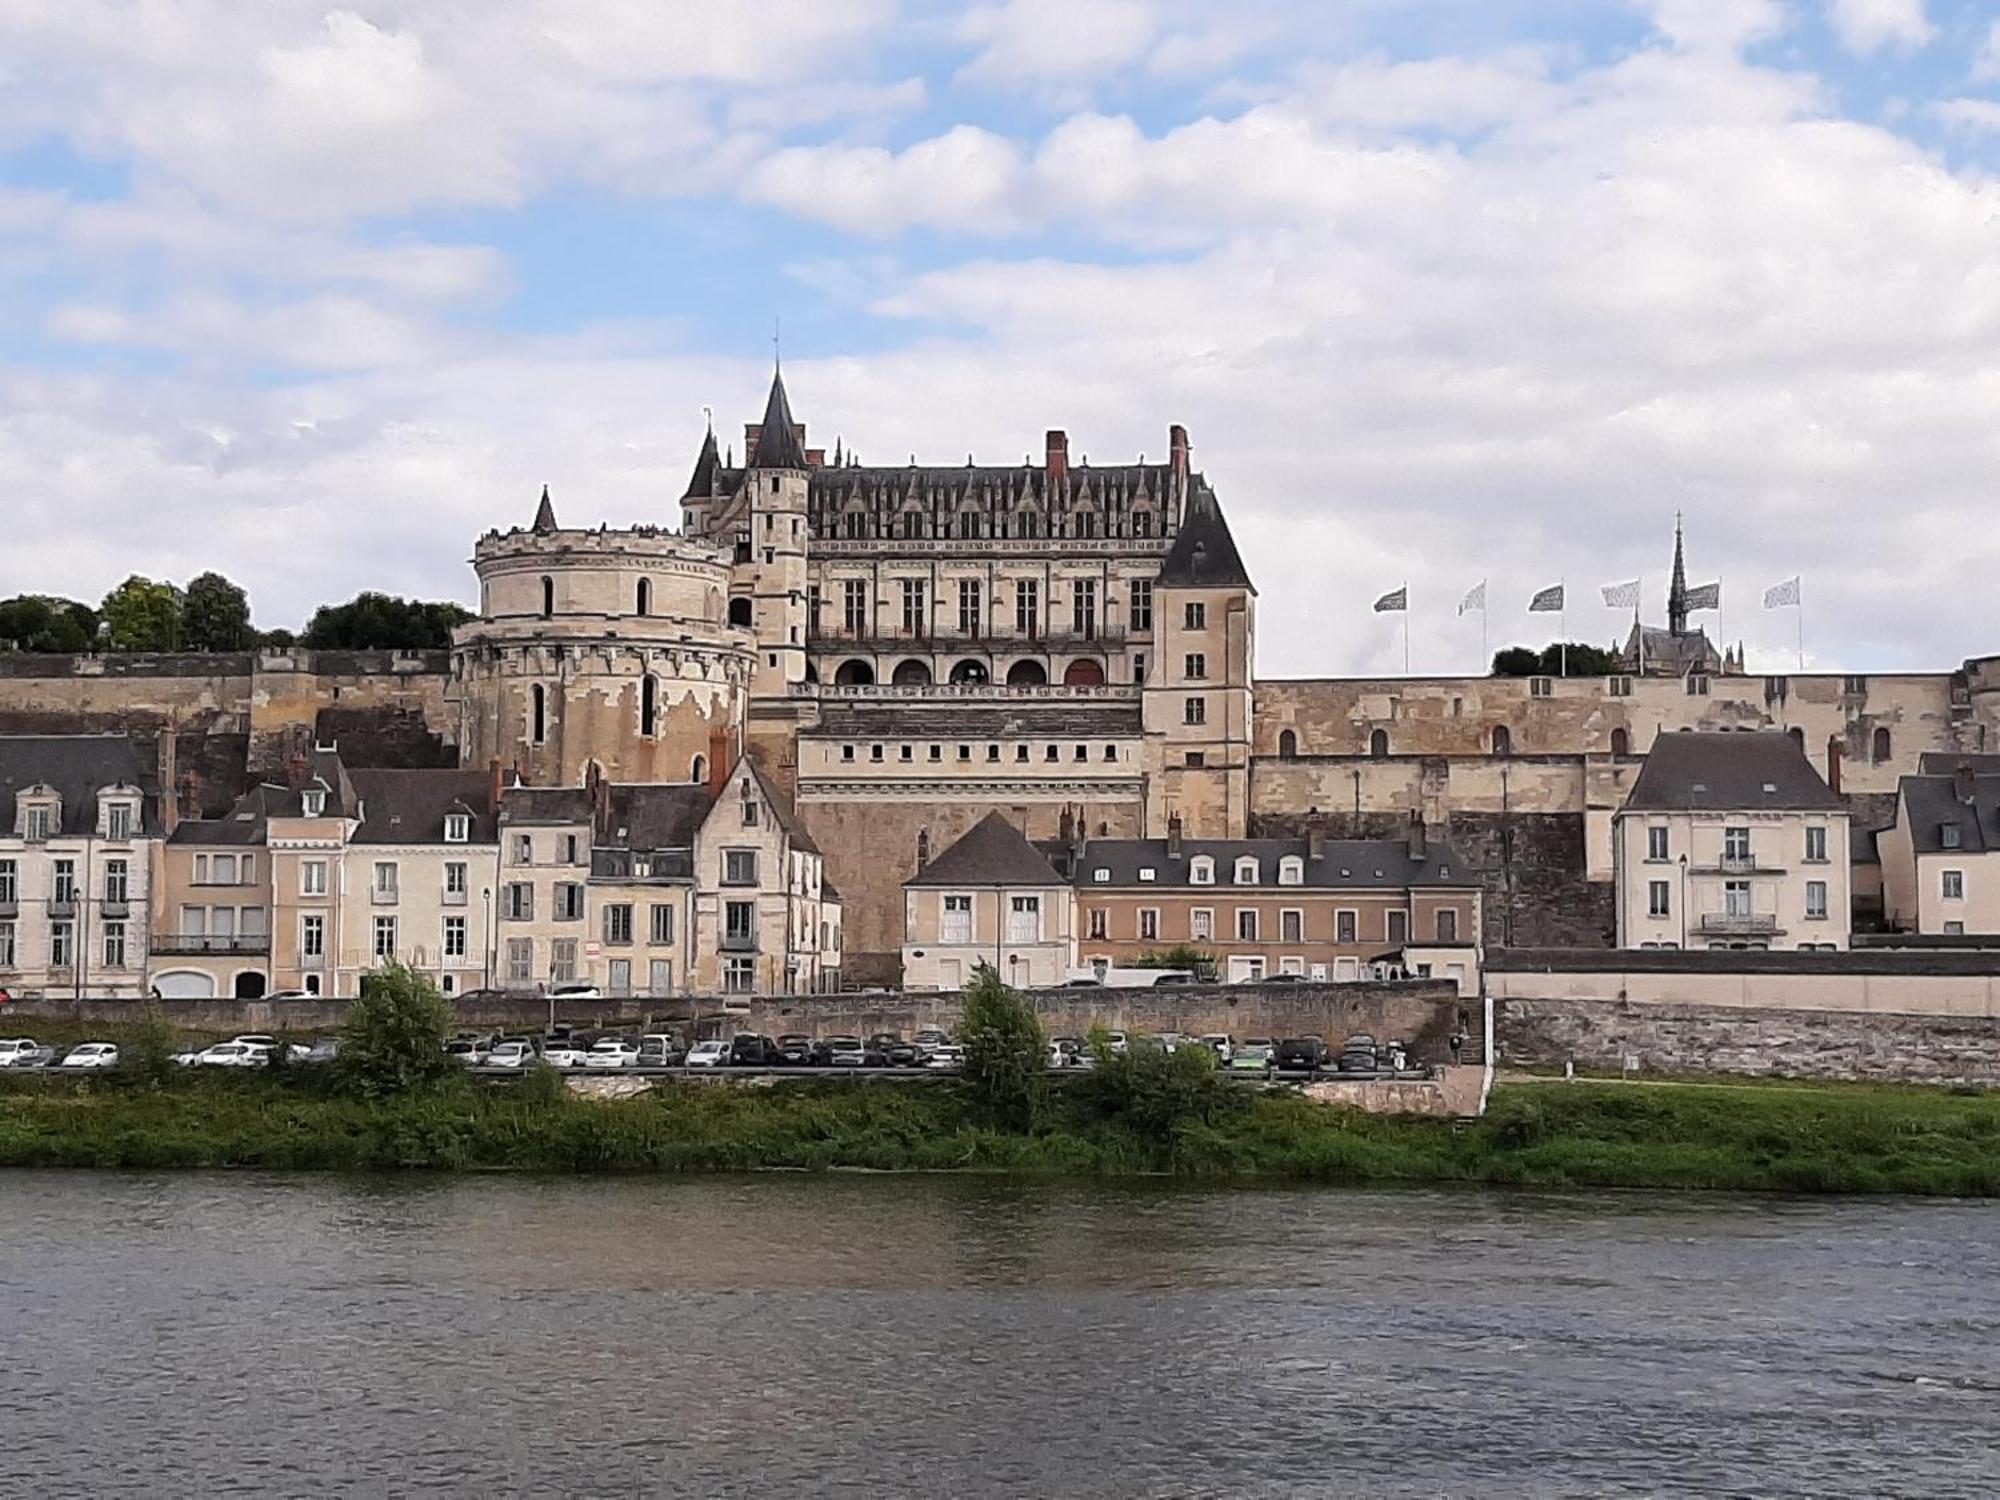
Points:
point(1444, 290)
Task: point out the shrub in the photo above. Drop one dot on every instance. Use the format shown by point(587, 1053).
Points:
point(1154, 1091)
point(395, 1035)
point(1006, 1053)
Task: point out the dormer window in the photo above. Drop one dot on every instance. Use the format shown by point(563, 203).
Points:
point(118, 820)
point(1146, 872)
point(1201, 870)
point(1948, 836)
point(313, 802)
point(457, 828)
point(41, 815)
point(1246, 871)
point(1291, 870)
point(1101, 875)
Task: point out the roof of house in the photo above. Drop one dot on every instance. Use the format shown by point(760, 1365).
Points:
point(244, 825)
point(544, 805)
point(76, 767)
point(654, 815)
point(410, 807)
point(1946, 762)
point(780, 806)
point(778, 445)
point(992, 852)
point(1931, 804)
point(1344, 864)
point(1724, 771)
point(1204, 553)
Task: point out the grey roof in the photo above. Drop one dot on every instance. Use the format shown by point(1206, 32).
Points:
point(947, 721)
point(76, 766)
point(1720, 771)
point(1947, 762)
point(1204, 554)
point(653, 816)
point(1344, 864)
point(707, 469)
point(409, 807)
point(992, 852)
point(778, 445)
point(544, 805)
point(1932, 803)
point(1664, 649)
point(545, 516)
point(243, 826)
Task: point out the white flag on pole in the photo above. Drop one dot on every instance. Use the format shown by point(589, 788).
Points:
point(1622, 595)
point(1782, 594)
point(1704, 596)
point(1476, 599)
point(1548, 602)
point(1393, 602)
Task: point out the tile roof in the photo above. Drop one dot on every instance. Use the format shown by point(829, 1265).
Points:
point(76, 766)
point(410, 807)
point(1204, 553)
point(544, 805)
point(992, 852)
point(1344, 864)
point(654, 816)
point(1723, 771)
point(1932, 804)
point(778, 445)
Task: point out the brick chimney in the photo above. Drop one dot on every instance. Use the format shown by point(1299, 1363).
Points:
point(923, 849)
point(1961, 782)
point(1177, 453)
point(1173, 835)
point(1066, 825)
point(720, 763)
point(167, 752)
point(295, 771)
point(1056, 462)
point(493, 785)
point(1833, 752)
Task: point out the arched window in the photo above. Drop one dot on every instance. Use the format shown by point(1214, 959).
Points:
point(548, 597)
point(739, 612)
point(1378, 744)
point(854, 674)
point(968, 672)
point(1503, 740)
point(698, 770)
point(649, 706)
point(645, 596)
point(1881, 745)
point(1084, 672)
point(1288, 745)
point(911, 674)
point(538, 718)
point(1027, 674)
point(1621, 742)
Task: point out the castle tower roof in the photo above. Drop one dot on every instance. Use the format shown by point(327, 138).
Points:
point(706, 467)
point(545, 516)
point(1204, 554)
point(1677, 591)
point(778, 445)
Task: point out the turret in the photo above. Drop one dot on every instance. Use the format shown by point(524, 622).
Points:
point(770, 574)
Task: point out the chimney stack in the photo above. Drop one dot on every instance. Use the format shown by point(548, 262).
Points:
point(1173, 835)
point(1056, 462)
point(168, 753)
point(1315, 839)
point(295, 771)
point(187, 795)
point(1177, 453)
point(493, 787)
point(1833, 751)
point(719, 762)
point(1420, 841)
point(1066, 826)
point(923, 849)
point(1961, 782)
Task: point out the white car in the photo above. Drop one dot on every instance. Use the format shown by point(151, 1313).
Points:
point(467, 1051)
point(709, 1055)
point(1223, 1047)
point(233, 1055)
point(612, 1052)
point(91, 1055)
point(563, 1054)
point(846, 1052)
point(15, 1048)
point(511, 1055)
point(946, 1059)
point(576, 992)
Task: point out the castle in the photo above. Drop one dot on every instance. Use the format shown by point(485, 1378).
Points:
point(902, 650)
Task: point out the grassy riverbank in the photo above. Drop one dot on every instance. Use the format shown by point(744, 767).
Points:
point(1808, 1139)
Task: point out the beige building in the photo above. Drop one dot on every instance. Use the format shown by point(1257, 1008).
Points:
point(765, 919)
point(1940, 861)
point(991, 898)
point(79, 834)
point(1732, 841)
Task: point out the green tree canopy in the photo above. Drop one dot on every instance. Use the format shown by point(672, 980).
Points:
point(215, 615)
point(395, 1034)
point(380, 622)
point(1584, 661)
point(40, 622)
point(141, 615)
point(1006, 1054)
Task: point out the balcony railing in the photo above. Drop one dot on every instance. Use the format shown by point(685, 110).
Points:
point(452, 898)
point(115, 906)
point(62, 906)
point(1739, 923)
point(379, 896)
point(739, 942)
point(10, 908)
point(196, 943)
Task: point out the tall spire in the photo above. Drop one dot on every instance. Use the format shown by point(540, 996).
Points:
point(1677, 591)
point(778, 444)
point(701, 483)
point(545, 515)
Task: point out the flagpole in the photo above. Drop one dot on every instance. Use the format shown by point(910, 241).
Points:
point(1639, 631)
point(1406, 627)
point(1799, 609)
point(1562, 624)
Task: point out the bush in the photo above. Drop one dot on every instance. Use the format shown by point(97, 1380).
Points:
point(395, 1034)
point(1155, 1092)
point(146, 1053)
point(1006, 1053)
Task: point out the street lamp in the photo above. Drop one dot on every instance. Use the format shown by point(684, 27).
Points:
point(1684, 902)
point(492, 939)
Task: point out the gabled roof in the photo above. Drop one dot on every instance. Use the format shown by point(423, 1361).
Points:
point(1722, 771)
point(1931, 804)
point(243, 826)
point(410, 807)
point(545, 516)
point(1204, 554)
point(992, 852)
point(780, 807)
point(778, 445)
point(652, 816)
point(76, 767)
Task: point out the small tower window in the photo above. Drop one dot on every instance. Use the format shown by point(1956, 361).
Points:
point(1378, 744)
point(645, 596)
point(1288, 745)
point(739, 612)
point(649, 706)
point(548, 597)
point(1503, 740)
point(1881, 746)
point(538, 727)
point(1621, 742)
point(698, 770)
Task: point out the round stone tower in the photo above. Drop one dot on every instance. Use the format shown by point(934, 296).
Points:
point(602, 646)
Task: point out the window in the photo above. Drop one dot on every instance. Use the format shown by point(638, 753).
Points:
point(915, 619)
point(1194, 711)
point(1618, 687)
point(1291, 926)
point(1447, 925)
point(118, 828)
point(1378, 745)
point(114, 945)
point(1954, 885)
point(312, 938)
point(1246, 870)
point(1142, 604)
point(117, 882)
point(572, 848)
point(385, 939)
point(1097, 924)
point(956, 926)
point(662, 930)
point(1138, 666)
point(64, 891)
point(458, 827)
point(618, 923)
point(1246, 924)
point(1503, 740)
point(562, 960)
point(520, 960)
point(649, 706)
point(455, 883)
point(1288, 745)
point(1024, 919)
point(969, 617)
point(1954, 929)
point(1736, 898)
point(644, 603)
point(538, 715)
point(1195, 666)
point(1816, 846)
point(1736, 845)
point(1201, 870)
point(1291, 870)
point(520, 902)
point(1816, 900)
point(312, 877)
point(1083, 607)
point(523, 849)
point(569, 902)
point(1149, 924)
point(313, 803)
point(1659, 899)
point(1201, 925)
point(739, 976)
point(1399, 928)
point(62, 945)
point(548, 597)
point(1195, 617)
point(1345, 926)
point(854, 604)
point(1881, 745)
point(1656, 844)
point(6, 945)
point(739, 867)
point(1854, 687)
point(1028, 608)
point(1697, 685)
point(10, 882)
point(454, 937)
point(1541, 687)
point(385, 880)
point(739, 923)
point(1948, 836)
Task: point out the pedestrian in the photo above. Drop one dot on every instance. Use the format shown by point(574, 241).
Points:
point(1457, 1046)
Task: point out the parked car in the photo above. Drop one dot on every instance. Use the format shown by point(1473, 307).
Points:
point(35, 1057)
point(237, 1054)
point(562, 1052)
point(906, 1054)
point(875, 1051)
point(91, 1055)
point(1115, 1040)
point(1357, 1055)
point(291, 995)
point(929, 1037)
point(16, 1047)
point(576, 992)
point(466, 1050)
point(1065, 1052)
point(1301, 1054)
point(795, 1050)
point(845, 1051)
point(612, 1052)
point(1252, 1057)
point(325, 1050)
point(1286, 979)
point(709, 1054)
point(946, 1059)
point(749, 1050)
point(1223, 1046)
point(661, 1049)
point(511, 1054)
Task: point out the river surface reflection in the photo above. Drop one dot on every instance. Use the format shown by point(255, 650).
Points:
point(921, 1336)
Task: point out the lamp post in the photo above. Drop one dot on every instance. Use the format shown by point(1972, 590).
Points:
point(1684, 901)
point(492, 938)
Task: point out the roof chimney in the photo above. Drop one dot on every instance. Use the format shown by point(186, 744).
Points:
point(493, 788)
point(1961, 782)
point(168, 773)
point(1177, 453)
point(1315, 839)
point(719, 762)
point(1066, 825)
point(1420, 841)
point(923, 849)
point(1833, 751)
point(295, 771)
point(1056, 462)
point(1173, 835)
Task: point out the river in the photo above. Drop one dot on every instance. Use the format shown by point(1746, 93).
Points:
point(897, 1336)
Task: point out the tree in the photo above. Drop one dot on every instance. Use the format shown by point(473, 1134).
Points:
point(215, 615)
point(1006, 1054)
point(277, 640)
point(395, 1034)
point(1197, 961)
point(39, 622)
point(379, 622)
point(1154, 1091)
point(141, 615)
point(1517, 661)
point(1582, 661)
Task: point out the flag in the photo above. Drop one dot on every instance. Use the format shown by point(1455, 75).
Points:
point(1393, 602)
point(1622, 595)
point(1708, 596)
point(1549, 601)
point(1474, 600)
point(1783, 594)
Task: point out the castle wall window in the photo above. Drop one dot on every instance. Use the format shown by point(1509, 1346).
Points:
point(1028, 608)
point(854, 604)
point(1621, 742)
point(916, 620)
point(1881, 745)
point(854, 525)
point(649, 706)
point(1142, 604)
point(1083, 607)
point(913, 525)
point(548, 597)
point(1142, 523)
point(1288, 745)
point(538, 713)
point(698, 769)
point(741, 612)
point(969, 618)
point(644, 603)
point(1378, 744)
point(1503, 740)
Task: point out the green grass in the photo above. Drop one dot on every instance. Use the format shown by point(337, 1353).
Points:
point(1831, 1139)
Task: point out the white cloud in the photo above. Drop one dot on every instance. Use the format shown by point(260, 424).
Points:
point(1972, 115)
point(967, 179)
point(1024, 42)
point(1453, 93)
point(1866, 27)
point(1987, 64)
point(1717, 25)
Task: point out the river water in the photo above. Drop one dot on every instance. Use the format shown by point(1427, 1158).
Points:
point(238, 1334)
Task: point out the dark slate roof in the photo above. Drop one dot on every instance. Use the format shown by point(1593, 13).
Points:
point(992, 852)
point(706, 468)
point(1720, 771)
point(946, 721)
point(540, 805)
point(1932, 803)
point(244, 825)
point(1344, 864)
point(545, 516)
point(76, 766)
point(409, 807)
point(1664, 650)
point(778, 445)
point(1204, 554)
point(1946, 762)
point(654, 816)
